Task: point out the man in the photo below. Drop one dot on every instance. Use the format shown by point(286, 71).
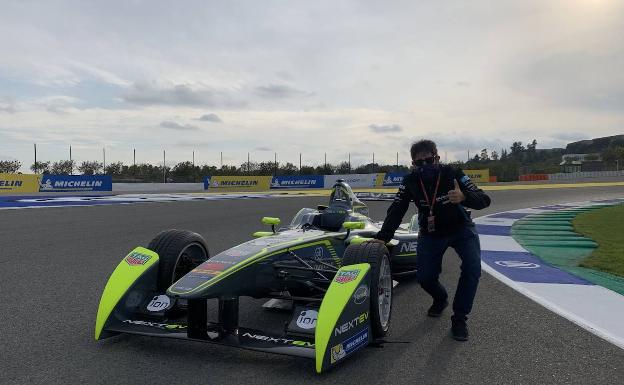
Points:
point(441, 192)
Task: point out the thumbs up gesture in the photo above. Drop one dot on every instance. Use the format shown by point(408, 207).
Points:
point(456, 195)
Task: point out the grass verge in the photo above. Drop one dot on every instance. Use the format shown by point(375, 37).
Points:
point(606, 227)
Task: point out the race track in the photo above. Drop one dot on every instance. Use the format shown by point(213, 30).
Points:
point(54, 263)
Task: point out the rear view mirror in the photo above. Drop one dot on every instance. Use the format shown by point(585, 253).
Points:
point(353, 225)
point(271, 221)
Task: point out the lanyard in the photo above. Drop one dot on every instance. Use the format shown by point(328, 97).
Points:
point(435, 193)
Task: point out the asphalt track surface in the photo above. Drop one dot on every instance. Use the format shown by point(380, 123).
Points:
point(54, 263)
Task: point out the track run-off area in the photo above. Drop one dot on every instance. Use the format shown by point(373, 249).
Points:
point(54, 263)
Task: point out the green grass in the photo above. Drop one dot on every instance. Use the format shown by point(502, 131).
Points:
point(606, 227)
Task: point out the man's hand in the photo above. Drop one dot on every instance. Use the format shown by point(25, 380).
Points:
point(456, 196)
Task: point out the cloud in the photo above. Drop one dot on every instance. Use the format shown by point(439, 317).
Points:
point(279, 91)
point(383, 128)
point(210, 118)
point(573, 136)
point(263, 148)
point(7, 105)
point(176, 126)
point(144, 93)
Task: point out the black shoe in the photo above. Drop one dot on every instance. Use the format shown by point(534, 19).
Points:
point(459, 329)
point(437, 308)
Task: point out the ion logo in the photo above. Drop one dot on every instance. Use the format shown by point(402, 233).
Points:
point(307, 319)
point(360, 295)
point(518, 264)
point(159, 303)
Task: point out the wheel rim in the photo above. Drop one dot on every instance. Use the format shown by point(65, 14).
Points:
point(190, 257)
point(385, 292)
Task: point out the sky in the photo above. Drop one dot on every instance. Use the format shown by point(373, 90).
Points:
point(309, 77)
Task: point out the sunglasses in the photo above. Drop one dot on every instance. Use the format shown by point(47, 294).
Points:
point(422, 162)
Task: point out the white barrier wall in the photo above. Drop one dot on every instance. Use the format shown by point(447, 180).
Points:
point(354, 180)
point(586, 174)
point(157, 187)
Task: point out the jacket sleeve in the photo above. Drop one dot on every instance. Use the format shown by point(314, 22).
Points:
point(395, 213)
point(475, 197)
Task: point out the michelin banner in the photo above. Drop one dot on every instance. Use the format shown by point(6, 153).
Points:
point(354, 180)
point(73, 183)
point(478, 176)
point(19, 183)
point(396, 178)
point(237, 183)
point(297, 181)
point(393, 179)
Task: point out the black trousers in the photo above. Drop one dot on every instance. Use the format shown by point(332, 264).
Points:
point(430, 250)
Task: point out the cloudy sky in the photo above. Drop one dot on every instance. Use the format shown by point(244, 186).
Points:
point(308, 77)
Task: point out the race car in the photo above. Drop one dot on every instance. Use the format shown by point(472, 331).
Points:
point(338, 286)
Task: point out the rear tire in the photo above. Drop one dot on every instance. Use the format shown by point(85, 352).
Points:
point(378, 257)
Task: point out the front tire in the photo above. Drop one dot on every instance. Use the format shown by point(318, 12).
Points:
point(179, 252)
point(381, 289)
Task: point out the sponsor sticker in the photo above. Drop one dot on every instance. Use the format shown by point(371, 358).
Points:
point(209, 268)
point(155, 324)
point(345, 327)
point(137, 259)
point(348, 346)
point(408, 247)
point(307, 319)
point(278, 340)
point(345, 276)
point(360, 295)
point(159, 303)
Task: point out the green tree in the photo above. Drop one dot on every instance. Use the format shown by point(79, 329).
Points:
point(484, 157)
point(114, 169)
point(41, 167)
point(63, 167)
point(10, 166)
point(90, 167)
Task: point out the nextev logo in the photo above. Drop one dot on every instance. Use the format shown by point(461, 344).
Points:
point(408, 247)
point(345, 327)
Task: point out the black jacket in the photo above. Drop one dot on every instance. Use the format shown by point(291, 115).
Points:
point(449, 217)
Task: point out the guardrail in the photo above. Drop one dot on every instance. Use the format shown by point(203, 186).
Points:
point(586, 174)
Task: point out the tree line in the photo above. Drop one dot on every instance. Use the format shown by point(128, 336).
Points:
point(506, 164)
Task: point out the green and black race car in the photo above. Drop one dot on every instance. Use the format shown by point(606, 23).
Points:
point(339, 287)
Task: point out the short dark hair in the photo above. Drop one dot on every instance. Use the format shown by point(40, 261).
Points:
point(424, 145)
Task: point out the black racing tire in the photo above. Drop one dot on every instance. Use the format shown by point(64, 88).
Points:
point(378, 257)
point(179, 251)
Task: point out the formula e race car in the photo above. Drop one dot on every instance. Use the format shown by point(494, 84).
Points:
point(339, 286)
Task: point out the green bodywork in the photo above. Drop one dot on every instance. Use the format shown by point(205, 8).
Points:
point(129, 270)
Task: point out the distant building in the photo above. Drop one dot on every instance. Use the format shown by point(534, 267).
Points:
point(581, 162)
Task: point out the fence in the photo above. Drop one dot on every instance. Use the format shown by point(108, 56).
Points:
point(585, 174)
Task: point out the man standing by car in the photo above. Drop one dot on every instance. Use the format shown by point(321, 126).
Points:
point(441, 192)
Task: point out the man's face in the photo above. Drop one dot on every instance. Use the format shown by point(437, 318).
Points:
point(422, 158)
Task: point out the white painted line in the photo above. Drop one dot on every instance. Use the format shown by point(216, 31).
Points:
point(499, 243)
